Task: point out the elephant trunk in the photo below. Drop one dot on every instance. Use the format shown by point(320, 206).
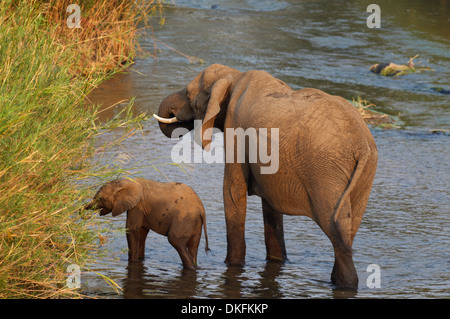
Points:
point(89, 206)
point(175, 112)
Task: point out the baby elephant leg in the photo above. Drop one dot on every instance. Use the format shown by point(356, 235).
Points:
point(133, 244)
point(136, 235)
point(180, 243)
point(194, 242)
point(142, 237)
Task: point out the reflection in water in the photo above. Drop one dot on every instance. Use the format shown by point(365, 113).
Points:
point(327, 45)
point(141, 282)
point(344, 294)
point(269, 287)
point(232, 280)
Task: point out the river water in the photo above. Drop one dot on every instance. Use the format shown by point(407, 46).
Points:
point(322, 44)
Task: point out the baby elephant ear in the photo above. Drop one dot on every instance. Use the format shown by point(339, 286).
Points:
point(127, 196)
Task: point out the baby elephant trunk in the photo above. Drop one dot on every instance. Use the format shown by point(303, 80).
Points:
point(82, 211)
point(89, 206)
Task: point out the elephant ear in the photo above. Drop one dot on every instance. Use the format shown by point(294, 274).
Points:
point(127, 196)
point(219, 93)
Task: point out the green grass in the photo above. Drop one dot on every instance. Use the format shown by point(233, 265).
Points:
point(375, 118)
point(46, 154)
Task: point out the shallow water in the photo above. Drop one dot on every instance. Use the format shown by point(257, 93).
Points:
point(321, 44)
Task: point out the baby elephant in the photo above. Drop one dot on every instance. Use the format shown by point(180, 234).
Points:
point(170, 209)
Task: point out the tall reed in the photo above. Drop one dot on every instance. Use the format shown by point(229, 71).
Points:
point(46, 70)
point(107, 36)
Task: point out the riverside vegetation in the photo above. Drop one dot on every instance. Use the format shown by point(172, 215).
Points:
point(46, 134)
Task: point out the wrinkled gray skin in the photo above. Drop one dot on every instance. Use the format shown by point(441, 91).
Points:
point(327, 158)
point(170, 209)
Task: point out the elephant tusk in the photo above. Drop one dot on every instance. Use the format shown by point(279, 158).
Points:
point(166, 121)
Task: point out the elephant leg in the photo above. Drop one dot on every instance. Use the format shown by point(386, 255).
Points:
point(194, 241)
point(181, 246)
point(344, 273)
point(346, 225)
point(133, 238)
point(335, 218)
point(235, 204)
point(133, 227)
point(142, 237)
point(273, 233)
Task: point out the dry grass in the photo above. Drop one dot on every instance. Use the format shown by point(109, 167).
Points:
point(392, 69)
point(46, 70)
point(373, 117)
point(107, 37)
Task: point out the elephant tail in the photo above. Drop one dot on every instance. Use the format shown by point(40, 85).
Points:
point(343, 214)
point(203, 217)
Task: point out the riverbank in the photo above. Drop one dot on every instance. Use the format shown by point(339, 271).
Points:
point(46, 135)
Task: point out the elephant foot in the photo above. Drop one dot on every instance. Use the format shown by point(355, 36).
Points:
point(236, 256)
point(187, 260)
point(237, 262)
point(189, 267)
point(277, 254)
point(345, 284)
point(134, 259)
point(133, 256)
point(276, 258)
point(234, 263)
point(344, 274)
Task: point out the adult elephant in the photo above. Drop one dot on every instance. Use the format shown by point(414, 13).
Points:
point(327, 157)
